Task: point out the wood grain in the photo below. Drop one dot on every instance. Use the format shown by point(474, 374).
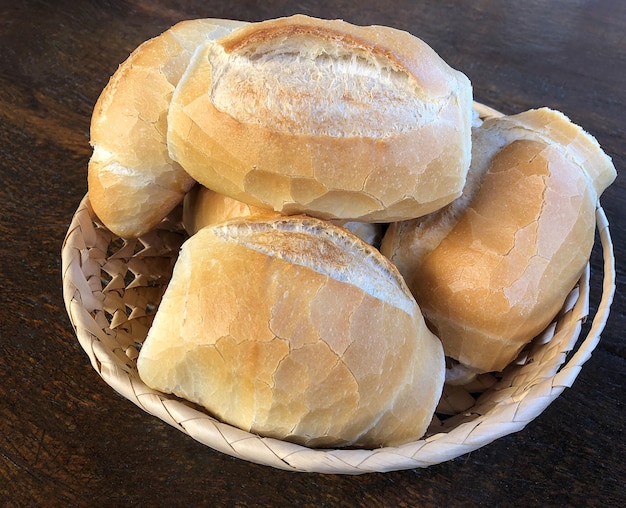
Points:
point(67, 439)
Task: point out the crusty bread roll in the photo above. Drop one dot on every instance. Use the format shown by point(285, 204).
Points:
point(133, 183)
point(302, 115)
point(204, 207)
point(492, 270)
point(293, 328)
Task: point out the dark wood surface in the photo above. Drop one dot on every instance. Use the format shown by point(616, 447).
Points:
point(67, 439)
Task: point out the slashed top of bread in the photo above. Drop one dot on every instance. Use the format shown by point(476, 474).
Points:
point(333, 252)
point(345, 80)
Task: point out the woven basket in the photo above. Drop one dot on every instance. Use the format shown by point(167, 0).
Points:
point(112, 288)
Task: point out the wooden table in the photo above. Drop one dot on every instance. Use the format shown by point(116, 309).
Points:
point(67, 439)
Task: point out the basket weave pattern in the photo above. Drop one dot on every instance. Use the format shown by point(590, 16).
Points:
point(112, 288)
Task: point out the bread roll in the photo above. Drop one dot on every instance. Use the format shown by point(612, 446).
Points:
point(302, 115)
point(133, 183)
point(295, 329)
point(204, 207)
point(493, 269)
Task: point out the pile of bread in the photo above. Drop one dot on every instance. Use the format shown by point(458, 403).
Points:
point(352, 223)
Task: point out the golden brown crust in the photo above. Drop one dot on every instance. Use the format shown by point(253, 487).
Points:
point(492, 270)
point(295, 329)
point(133, 183)
point(203, 207)
point(580, 146)
point(239, 142)
point(503, 272)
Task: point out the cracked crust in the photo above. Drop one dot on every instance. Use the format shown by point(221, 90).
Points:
point(492, 270)
point(133, 183)
point(301, 115)
point(295, 329)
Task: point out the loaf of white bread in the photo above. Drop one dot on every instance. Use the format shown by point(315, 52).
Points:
point(133, 182)
point(338, 121)
point(294, 328)
point(491, 270)
point(291, 142)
